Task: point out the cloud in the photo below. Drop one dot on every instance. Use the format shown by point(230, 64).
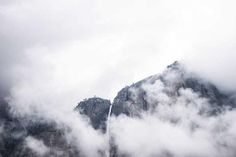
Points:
point(78, 130)
point(177, 125)
point(1, 128)
point(216, 66)
point(122, 41)
point(152, 136)
point(37, 146)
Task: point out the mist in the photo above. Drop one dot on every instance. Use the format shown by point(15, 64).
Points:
point(179, 125)
point(54, 54)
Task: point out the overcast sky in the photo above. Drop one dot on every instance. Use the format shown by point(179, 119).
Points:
point(79, 49)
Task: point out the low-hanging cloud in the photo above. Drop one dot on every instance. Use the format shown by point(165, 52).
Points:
point(77, 129)
point(178, 125)
point(36, 145)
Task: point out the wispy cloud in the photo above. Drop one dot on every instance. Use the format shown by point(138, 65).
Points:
point(178, 125)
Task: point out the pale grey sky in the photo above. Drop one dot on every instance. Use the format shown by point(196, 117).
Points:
point(84, 48)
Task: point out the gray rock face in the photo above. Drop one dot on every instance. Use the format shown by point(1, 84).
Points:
point(131, 100)
point(96, 109)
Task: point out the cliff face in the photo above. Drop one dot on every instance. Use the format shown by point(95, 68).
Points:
point(134, 99)
point(96, 109)
point(140, 97)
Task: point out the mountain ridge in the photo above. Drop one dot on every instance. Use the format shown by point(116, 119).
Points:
point(130, 101)
point(185, 80)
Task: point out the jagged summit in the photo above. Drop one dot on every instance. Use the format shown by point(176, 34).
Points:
point(174, 65)
point(96, 109)
point(133, 99)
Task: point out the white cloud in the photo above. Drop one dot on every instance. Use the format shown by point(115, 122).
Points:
point(78, 131)
point(36, 146)
point(176, 127)
point(121, 42)
point(1, 128)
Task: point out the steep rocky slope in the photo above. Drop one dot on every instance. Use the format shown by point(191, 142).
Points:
point(134, 99)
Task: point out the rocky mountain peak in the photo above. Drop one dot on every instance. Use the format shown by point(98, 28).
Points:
point(144, 96)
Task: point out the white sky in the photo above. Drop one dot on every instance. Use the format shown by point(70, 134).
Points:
point(78, 49)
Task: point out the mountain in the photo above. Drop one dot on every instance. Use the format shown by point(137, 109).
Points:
point(140, 97)
point(132, 100)
point(96, 109)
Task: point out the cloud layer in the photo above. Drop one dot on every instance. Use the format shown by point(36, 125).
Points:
point(177, 125)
